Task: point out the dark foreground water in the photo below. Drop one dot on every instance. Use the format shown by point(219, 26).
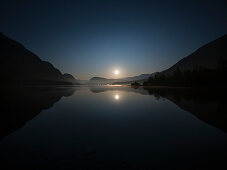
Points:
point(112, 128)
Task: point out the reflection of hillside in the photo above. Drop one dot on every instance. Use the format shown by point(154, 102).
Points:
point(100, 89)
point(208, 105)
point(21, 105)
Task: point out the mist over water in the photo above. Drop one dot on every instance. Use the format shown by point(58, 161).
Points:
point(102, 127)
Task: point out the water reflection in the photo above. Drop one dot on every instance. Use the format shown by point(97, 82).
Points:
point(21, 105)
point(116, 97)
point(83, 131)
point(209, 105)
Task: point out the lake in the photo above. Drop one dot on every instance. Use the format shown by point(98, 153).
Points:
point(108, 127)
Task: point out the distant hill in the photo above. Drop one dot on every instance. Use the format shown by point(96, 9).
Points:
point(98, 79)
point(20, 66)
point(206, 56)
point(140, 77)
point(206, 67)
point(101, 80)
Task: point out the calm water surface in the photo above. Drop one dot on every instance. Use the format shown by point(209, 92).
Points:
point(112, 128)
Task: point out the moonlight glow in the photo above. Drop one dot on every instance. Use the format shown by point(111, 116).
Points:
point(116, 72)
point(116, 97)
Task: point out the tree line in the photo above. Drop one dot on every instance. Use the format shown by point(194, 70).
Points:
point(199, 76)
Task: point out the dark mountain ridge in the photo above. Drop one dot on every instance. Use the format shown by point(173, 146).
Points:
point(99, 79)
point(206, 67)
point(21, 66)
point(207, 56)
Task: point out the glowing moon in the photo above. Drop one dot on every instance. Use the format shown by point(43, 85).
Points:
point(116, 72)
point(116, 96)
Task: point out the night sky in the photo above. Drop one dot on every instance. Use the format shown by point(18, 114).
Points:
point(92, 38)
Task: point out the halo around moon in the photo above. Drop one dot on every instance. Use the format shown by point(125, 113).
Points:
point(116, 72)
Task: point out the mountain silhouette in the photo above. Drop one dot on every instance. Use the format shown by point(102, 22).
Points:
point(20, 66)
point(99, 79)
point(206, 67)
point(126, 80)
point(207, 56)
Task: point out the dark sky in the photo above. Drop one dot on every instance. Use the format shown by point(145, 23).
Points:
point(92, 38)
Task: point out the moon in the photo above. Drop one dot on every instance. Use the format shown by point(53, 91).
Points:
point(116, 72)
